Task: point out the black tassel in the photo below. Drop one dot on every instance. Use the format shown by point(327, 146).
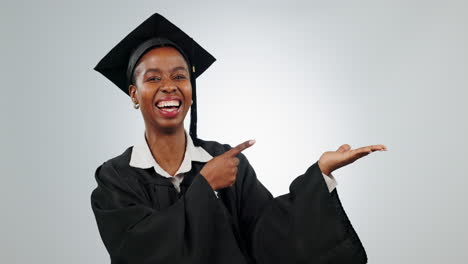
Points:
point(193, 115)
point(193, 111)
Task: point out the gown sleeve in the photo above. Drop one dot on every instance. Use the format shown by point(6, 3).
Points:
point(307, 225)
point(134, 232)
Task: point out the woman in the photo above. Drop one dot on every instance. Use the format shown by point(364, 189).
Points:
point(175, 198)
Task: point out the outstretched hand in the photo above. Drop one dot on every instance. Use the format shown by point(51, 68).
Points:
point(221, 171)
point(344, 155)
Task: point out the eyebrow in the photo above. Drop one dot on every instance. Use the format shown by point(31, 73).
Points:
point(177, 68)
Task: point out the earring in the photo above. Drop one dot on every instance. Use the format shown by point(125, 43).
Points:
point(191, 103)
point(136, 105)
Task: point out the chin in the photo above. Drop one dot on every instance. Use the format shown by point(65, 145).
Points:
point(168, 125)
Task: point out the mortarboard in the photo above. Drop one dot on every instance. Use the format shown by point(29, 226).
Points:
point(118, 64)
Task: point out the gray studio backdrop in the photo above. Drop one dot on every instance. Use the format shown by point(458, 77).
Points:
point(299, 77)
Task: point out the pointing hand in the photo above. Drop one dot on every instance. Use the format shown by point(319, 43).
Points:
point(221, 171)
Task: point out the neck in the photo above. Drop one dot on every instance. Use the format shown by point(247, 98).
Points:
point(167, 147)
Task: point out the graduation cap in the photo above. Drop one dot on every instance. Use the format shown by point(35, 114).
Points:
point(156, 31)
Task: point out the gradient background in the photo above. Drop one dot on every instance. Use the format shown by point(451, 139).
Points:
point(299, 77)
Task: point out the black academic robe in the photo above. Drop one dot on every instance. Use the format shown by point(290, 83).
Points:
point(142, 219)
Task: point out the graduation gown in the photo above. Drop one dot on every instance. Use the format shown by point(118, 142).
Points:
point(142, 219)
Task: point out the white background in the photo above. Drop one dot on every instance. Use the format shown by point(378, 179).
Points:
point(301, 77)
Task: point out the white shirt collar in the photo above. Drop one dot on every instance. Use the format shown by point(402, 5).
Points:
point(141, 156)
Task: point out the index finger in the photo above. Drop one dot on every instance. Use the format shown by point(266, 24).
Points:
point(239, 148)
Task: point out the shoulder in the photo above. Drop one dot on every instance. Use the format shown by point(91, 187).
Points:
point(214, 148)
point(118, 161)
point(113, 168)
point(115, 177)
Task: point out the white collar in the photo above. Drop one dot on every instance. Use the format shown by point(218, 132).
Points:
point(141, 156)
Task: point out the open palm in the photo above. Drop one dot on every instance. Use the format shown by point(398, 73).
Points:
point(344, 155)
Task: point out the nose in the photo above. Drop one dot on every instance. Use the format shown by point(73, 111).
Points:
point(168, 88)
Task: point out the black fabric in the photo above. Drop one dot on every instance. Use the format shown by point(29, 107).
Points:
point(141, 219)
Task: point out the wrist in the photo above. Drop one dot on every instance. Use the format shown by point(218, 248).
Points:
point(323, 168)
point(208, 179)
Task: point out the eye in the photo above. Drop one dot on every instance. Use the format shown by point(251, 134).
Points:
point(153, 78)
point(180, 77)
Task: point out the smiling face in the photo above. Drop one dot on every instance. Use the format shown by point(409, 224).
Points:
point(162, 88)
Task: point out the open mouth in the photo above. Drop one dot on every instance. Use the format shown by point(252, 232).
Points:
point(170, 106)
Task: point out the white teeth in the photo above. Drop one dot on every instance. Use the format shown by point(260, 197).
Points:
point(175, 103)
